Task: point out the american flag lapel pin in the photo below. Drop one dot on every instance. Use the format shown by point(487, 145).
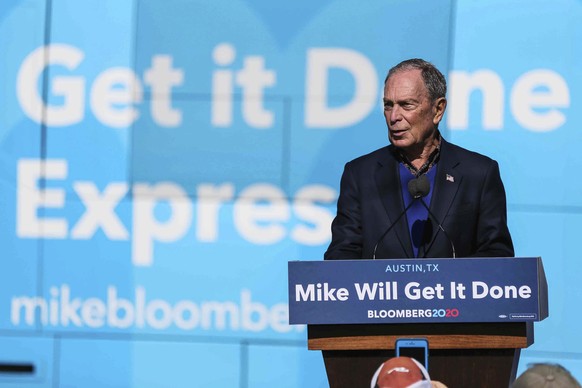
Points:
point(450, 178)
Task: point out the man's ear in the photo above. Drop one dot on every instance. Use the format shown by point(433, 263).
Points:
point(438, 109)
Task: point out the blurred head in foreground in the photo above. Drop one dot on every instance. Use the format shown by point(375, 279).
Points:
point(400, 372)
point(546, 376)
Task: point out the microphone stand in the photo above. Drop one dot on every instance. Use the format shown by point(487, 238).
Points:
point(441, 228)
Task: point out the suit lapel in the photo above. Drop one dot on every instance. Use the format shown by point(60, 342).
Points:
point(446, 184)
point(391, 196)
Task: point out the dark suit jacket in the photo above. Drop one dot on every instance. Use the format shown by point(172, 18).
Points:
point(468, 200)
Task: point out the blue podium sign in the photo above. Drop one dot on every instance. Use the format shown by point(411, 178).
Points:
point(417, 291)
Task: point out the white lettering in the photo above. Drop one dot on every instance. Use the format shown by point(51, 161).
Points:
point(536, 109)
point(306, 210)
point(253, 78)
point(482, 290)
point(100, 211)
point(259, 212)
point(304, 294)
point(210, 201)
point(413, 292)
point(222, 86)
point(163, 212)
point(157, 314)
point(70, 88)
point(461, 85)
point(318, 113)
point(30, 199)
point(162, 77)
point(147, 229)
point(112, 95)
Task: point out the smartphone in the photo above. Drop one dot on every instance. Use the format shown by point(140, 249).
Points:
point(416, 348)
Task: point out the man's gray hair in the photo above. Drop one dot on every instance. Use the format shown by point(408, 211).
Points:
point(545, 375)
point(434, 80)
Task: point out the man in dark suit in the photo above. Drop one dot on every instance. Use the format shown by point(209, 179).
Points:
point(466, 199)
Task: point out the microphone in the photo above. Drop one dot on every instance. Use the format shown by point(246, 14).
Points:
point(421, 184)
point(418, 188)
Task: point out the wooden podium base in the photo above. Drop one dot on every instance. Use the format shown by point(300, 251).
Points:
point(459, 368)
point(461, 355)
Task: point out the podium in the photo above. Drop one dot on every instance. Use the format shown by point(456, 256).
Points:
point(489, 308)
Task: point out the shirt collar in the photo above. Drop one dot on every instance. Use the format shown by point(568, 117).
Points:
point(431, 161)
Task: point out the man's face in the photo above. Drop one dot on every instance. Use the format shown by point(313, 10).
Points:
point(411, 116)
